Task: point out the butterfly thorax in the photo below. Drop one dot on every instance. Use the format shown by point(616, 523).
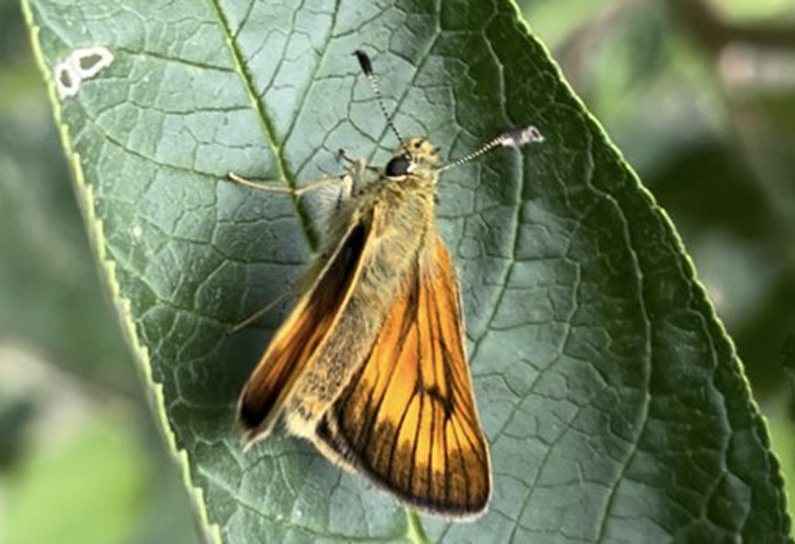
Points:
point(403, 190)
point(403, 224)
point(404, 193)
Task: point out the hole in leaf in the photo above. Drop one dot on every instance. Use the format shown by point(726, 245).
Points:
point(90, 60)
point(67, 81)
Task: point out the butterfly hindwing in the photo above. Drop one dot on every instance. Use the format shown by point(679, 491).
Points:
point(408, 419)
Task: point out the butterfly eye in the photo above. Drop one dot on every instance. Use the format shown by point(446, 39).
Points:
point(397, 166)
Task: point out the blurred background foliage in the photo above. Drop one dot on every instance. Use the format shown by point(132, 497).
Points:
point(699, 95)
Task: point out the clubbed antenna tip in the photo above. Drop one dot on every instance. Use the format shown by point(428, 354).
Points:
point(367, 68)
point(514, 138)
point(520, 136)
point(364, 62)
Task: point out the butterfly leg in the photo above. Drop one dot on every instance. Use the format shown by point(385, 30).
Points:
point(342, 155)
point(296, 191)
point(237, 327)
point(356, 169)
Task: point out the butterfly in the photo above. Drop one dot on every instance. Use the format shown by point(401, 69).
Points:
point(371, 364)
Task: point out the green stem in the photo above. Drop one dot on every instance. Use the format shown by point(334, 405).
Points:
point(415, 532)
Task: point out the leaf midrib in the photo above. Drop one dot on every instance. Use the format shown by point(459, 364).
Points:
point(267, 126)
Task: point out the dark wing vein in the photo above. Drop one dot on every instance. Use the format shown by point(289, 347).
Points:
point(442, 462)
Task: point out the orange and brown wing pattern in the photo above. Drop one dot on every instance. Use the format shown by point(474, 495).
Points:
point(408, 418)
point(300, 338)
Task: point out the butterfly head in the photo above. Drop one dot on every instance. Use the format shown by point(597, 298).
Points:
point(416, 156)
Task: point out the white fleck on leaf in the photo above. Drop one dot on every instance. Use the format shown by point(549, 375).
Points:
point(81, 65)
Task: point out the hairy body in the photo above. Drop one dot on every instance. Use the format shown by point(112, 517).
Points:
point(403, 237)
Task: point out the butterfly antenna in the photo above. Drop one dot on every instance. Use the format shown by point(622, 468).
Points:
point(367, 68)
point(515, 138)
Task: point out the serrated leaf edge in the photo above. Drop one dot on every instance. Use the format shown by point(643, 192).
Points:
point(688, 266)
point(107, 268)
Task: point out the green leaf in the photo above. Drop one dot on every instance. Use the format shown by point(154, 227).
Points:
point(614, 402)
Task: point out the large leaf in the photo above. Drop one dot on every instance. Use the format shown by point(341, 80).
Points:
point(614, 403)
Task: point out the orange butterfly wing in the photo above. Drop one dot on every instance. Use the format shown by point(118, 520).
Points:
point(408, 418)
point(300, 338)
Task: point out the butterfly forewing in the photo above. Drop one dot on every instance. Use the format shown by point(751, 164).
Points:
point(408, 417)
point(300, 338)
